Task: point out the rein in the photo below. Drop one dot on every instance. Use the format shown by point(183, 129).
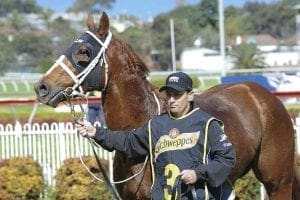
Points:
point(69, 98)
point(176, 189)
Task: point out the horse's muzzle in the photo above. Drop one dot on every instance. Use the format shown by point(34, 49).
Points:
point(47, 96)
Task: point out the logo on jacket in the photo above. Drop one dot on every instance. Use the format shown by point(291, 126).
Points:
point(174, 132)
point(178, 142)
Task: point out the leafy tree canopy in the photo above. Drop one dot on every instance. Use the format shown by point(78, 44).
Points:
point(23, 6)
point(87, 5)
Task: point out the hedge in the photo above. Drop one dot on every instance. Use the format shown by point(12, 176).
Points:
point(74, 182)
point(247, 187)
point(20, 178)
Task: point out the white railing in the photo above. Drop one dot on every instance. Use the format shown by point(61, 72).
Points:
point(48, 144)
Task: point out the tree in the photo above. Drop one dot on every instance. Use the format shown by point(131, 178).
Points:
point(179, 3)
point(138, 38)
point(209, 8)
point(7, 53)
point(24, 6)
point(162, 42)
point(16, 21)
point(236, 23)
point(161, 32)
point(247, 56)
point(189, 22)
point(293, 2)
point(276, 19)
point(32, 48)
point(88, 5)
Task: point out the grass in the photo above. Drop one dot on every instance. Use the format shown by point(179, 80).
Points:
point(18, 89)
point(22, 113)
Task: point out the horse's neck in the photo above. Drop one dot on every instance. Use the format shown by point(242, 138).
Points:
point(128, 104)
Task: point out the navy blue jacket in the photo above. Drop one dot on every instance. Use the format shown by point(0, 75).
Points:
point(195, 141)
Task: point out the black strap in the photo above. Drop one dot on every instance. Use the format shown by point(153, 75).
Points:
point(177, 188)
point(194, 194)
point(106, 179)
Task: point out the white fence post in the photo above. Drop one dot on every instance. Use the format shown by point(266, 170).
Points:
point(262, 192)
point(62, 142)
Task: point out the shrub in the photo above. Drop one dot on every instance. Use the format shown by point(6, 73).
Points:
point(20, 178)
point(248, 187)
point(74, 182)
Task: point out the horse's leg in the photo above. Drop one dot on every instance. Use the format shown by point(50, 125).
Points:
point(137, 188)
point(275, 167)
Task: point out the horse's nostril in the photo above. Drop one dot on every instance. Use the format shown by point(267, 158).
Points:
point(42, 90)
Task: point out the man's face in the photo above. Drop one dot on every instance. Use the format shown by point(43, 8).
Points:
point(179, 102)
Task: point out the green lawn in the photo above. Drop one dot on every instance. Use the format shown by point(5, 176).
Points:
point(17, 88)
point(22, 113)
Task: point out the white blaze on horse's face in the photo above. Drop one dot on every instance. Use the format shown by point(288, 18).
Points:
point(61, 58)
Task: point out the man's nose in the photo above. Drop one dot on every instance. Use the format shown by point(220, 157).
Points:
point(172, 99)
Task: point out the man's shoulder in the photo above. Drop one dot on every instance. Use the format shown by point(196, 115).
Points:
point(160, 119)
point(207, 117)
point(203, 114)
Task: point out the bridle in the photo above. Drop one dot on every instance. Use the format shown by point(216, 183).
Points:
point(99, 60)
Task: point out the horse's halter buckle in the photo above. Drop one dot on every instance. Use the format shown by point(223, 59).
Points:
point(81, 76)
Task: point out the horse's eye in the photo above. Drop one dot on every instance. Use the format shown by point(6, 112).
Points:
point(82, 51)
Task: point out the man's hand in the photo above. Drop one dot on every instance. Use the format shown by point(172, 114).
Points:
point(188, 176)
point(86, 129)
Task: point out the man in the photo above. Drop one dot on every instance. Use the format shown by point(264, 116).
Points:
point(187, 146)
point(95, 111)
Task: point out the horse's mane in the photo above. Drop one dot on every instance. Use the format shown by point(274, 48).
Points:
point(137, 64)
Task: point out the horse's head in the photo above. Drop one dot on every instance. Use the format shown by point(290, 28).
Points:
point(82, 67)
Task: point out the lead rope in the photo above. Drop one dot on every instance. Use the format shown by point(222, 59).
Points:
point(102, 170)
point(69, 95)
point(107, 181)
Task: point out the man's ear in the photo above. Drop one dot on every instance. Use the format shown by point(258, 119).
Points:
point(191, 95)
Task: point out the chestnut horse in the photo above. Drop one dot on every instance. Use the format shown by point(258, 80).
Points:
point(256, 122)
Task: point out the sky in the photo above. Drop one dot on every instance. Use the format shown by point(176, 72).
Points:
point(144, 9)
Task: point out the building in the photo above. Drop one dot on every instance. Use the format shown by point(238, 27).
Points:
point(203, 59)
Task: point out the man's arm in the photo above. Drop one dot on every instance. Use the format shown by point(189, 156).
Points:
point(221, 157)
point(132, 143)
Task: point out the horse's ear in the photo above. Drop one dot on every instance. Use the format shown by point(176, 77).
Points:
point(104, 24)
point(90, 22)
